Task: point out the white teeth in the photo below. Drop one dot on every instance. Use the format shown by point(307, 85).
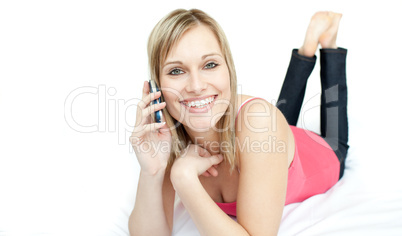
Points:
point(200, 103)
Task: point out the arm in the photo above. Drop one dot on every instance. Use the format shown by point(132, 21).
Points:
point(153, 209)
point(148, 216)
point(264, 171)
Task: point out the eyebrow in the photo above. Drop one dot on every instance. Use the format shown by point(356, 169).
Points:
point(203, 57)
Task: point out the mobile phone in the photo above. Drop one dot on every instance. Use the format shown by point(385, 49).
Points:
point(153, 89)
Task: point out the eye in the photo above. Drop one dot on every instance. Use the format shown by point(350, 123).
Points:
point(211, 65)
point(176, 71)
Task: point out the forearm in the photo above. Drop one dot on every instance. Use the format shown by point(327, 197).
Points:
point(148, 216)
point(207, 216)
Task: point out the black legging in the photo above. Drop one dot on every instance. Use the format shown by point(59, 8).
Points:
point(334, 118)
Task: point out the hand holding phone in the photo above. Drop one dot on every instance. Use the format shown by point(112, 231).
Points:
point(149, 132)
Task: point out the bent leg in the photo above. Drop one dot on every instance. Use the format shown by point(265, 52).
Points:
point(334, 118)
point(294, 86)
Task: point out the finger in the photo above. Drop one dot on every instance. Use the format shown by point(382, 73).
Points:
point(201, 151)
point(144, 105)
point(152, 108)
point(148, 98)
point(213, 171)
point(141, 104)
point(154, 127)
point(164, 130)
point(206, 174)
point(145, 89)
point(209, 162)
point(215, 159)
point(142, 130)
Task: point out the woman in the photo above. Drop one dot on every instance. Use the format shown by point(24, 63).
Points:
point(214, 151)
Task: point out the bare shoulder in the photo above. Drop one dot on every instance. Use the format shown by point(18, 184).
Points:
point(242, 98)
point(258, 116)
point(257, 108)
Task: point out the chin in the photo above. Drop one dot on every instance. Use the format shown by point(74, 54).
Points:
point(199, 124)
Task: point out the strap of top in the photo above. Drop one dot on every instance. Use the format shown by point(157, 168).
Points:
point(244, 103)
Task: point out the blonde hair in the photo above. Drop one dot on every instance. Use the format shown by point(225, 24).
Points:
point(163, 37)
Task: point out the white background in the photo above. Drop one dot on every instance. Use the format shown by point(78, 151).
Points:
point(57, 179)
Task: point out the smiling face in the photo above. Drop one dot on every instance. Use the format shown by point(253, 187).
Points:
point(195, 80)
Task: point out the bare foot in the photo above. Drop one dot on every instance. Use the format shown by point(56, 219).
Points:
point(328, 38)
point(322, 29)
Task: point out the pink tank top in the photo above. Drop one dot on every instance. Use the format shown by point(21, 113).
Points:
point(314, 170)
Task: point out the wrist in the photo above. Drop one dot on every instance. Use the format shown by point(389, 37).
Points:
point(182, 179)
point(160, 174)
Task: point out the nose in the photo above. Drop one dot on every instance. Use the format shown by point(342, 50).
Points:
point(196, 84)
